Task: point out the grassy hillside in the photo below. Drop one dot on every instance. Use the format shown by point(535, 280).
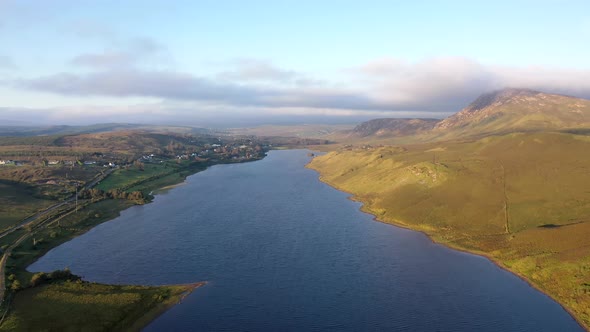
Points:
point(521, 199)
point(18, 201)
point(392, 127)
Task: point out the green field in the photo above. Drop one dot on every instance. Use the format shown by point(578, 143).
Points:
point(126, 177)
point(55, 234)
point(17, 201)
point(150, 177)
point(79, 306)
point(521, 199)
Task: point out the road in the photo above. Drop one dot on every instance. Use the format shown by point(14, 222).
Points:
point(3, 264)
point(31, 220)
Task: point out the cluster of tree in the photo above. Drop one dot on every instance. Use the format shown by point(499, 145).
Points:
point(14, 283)
point(139, 165)
point(174, 146)
point(97, 195)
point(57, 275)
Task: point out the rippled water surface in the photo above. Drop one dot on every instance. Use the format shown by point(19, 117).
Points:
point(282, 251)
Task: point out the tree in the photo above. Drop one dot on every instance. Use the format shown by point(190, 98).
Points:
point(139, 165)
point(64, 274)
point(136, 196)
point(38, 278)
point(15, 285)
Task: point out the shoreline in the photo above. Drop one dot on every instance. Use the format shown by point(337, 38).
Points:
point(164, 306)
point(151, 315)
point(164, 189)
point(363, 208)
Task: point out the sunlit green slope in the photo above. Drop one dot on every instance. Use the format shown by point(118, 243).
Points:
point(522, 199)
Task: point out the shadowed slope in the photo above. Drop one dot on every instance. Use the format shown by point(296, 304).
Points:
point(392, 127)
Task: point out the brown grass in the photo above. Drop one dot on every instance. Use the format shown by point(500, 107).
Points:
point(520, 199)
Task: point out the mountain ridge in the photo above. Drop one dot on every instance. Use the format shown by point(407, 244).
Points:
point(518, 110)
point(497, 112)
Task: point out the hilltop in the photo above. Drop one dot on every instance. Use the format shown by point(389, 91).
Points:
point(511, 110)
point(498, 112)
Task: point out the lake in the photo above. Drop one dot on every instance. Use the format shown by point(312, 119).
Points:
point(282, 251)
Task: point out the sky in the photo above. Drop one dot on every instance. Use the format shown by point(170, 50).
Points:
point(203, 63)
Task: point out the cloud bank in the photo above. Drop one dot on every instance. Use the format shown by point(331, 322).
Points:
point(388, 86)
point(183, 86)
point(449, 83)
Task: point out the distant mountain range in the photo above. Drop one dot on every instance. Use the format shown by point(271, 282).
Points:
point(498, 112)
point(17, 130)
point(503, 111)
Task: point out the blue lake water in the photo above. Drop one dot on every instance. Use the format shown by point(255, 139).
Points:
point(282, 251)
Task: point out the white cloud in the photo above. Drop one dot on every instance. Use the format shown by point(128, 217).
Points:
point(381, 67)
point(390, 86)
point(247, 69)
point(183, 86)
point(450, 83)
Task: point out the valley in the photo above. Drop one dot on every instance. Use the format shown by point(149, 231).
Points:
point(295, 166)
point(504, 178)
